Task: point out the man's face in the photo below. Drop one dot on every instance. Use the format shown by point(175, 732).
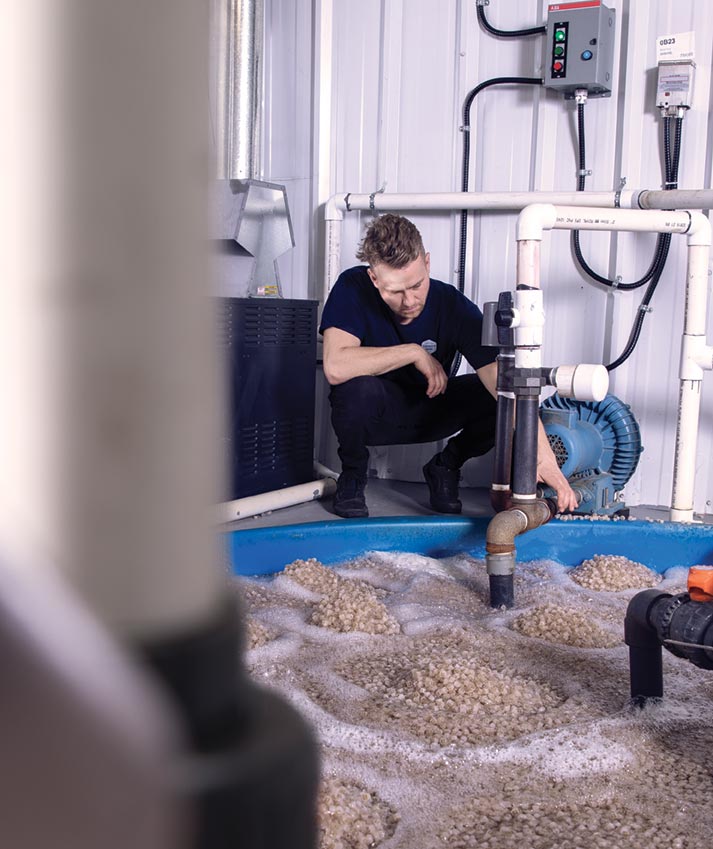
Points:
point(403, 290)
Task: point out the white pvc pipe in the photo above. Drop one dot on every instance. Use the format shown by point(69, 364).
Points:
point(332, 255)
point(376, 202)
point(266, 502)
point(528, 263)
point(695, 355)
point(541, 216)
point(684, 467)
point(409, 201)
point(693, 360)
point(337, 205)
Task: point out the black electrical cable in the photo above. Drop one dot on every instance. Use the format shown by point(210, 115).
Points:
point(501, 33)
point(465, 174)
point(663, 242)
point(671, 164)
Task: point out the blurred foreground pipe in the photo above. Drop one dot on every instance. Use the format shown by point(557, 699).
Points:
point(113, 414)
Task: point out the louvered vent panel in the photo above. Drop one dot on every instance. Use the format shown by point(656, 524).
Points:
point(273, 322)
point(274, 447)
point(271, 346)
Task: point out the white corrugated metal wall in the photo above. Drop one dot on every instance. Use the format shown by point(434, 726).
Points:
point(367, 94)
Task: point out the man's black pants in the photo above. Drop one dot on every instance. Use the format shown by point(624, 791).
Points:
point(378, 411)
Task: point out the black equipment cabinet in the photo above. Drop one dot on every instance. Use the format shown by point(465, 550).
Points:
point(271, 348)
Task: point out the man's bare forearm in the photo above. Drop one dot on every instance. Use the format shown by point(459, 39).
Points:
point(346, 363)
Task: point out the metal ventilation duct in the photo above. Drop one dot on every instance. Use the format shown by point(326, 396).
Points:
point(240, 88)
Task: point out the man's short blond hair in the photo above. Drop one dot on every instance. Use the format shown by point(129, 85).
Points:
point(392, 240)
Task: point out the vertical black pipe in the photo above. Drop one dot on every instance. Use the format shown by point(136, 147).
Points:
point(502, 591)
point(502, 464)
point(646, 673)
point(645, 653)
point(524, 478)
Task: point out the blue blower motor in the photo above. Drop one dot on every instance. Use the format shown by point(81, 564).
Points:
point(597, 445)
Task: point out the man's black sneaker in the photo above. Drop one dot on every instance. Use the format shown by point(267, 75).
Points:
point(349, 501)
point(443, 486)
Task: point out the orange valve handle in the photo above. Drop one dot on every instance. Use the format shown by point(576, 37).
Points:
point(700, 583)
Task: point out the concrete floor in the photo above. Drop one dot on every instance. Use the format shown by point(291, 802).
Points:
point(398, 498)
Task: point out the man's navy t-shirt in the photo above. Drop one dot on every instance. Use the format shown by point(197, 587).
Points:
point(448, 323)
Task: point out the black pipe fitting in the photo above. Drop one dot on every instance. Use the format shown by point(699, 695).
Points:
point(252, 772)
point(676, 622)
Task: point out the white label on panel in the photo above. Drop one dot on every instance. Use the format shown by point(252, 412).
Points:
point(673, 48)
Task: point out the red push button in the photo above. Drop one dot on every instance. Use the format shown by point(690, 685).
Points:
point(557, 66)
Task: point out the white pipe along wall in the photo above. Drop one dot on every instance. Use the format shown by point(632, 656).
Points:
point(377, 202)
point(696, 355)
point(266, 502)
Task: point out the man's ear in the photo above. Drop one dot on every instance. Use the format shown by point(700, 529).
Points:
point(372, 277)
point(427, 260)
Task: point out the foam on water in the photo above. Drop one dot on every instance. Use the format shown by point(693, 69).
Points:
point(462, 731)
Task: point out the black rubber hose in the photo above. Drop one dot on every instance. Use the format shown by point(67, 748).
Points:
point(465, 175)
point(465, 172)
point(663, 242)
point(501, 33)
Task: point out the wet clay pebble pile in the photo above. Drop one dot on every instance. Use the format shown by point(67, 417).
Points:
point(611, 572)
point(559, 624)
point(257, 634)
point(443, 723)
point(351, 817)
point(346, 605)
point(448, 694)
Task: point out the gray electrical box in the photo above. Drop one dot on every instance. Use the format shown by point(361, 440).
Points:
point(674, 89)
point(580, 48)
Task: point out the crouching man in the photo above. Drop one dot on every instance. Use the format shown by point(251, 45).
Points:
point(391, 334)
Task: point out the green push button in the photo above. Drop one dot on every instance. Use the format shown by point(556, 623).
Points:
point(559, 50)
point(560, 35)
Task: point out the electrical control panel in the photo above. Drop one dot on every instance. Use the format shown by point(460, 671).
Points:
point(579, 53)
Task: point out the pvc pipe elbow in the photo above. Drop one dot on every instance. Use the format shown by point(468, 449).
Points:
point(533, 220)
point(699, 231)
point(696, 357)
point(334, 208)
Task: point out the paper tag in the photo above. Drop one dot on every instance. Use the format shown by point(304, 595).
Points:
point(675, 48)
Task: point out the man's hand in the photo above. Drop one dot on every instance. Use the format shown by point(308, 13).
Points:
point(549, 472)
point(433, 371)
